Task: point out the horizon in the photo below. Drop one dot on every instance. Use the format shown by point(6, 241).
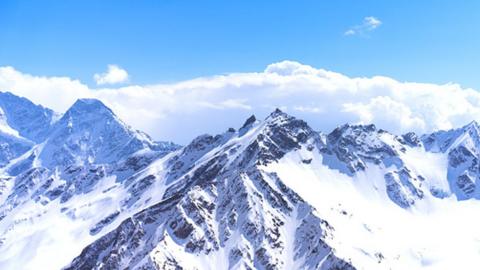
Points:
point(257, 118)
point(168, 69)
point(182, 110)
point(288, 85)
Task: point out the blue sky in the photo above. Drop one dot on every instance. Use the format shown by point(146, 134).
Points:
point(177, 69)
point(165, 41)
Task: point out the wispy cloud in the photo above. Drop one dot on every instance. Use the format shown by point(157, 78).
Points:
point(113, 75)
point(369, 24)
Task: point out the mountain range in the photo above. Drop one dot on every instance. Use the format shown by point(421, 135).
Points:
point(83, 190)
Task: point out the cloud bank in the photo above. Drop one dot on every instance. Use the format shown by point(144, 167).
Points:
point(182, 110)
point(113, 75)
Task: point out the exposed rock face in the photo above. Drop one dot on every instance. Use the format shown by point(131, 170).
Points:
point(86, 145)
point(78, 155)
point(279, 135)
point(354, 148)
point(22, 124)
point(402, 188)
point(32, 122)
point(109, 197)
point(89, 132)
point(462, 147)
point(224, 207)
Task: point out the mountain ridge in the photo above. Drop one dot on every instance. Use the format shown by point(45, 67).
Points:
point(274, 194)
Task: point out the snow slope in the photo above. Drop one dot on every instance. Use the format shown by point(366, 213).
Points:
point(64, 192)
point(274, 194)
point(221, 212)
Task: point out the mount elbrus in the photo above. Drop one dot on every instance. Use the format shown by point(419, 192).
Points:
point(83, 190)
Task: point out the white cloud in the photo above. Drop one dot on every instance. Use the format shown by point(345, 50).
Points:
point(325, 99)
point(382, 110)
point(53, 92)
point(349, 32)
point(114, 75)
point(369, 24)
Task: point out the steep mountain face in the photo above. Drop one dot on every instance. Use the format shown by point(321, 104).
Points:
point(32, 122)
point(69, 179)
point(86, 145)
point(462, 147)
point(11, 144)
point(88, 133)
point(354, 148)
point(22, 124)
point(274, 194)
point(225, 211)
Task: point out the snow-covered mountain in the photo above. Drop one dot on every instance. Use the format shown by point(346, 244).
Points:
point(462, 146)
point(44, 188)
point(86, 191)
point(22, 124)
point(222, 210)
point(31, 121)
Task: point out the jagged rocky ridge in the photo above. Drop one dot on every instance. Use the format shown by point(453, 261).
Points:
point(225, 208)
point(124, 201)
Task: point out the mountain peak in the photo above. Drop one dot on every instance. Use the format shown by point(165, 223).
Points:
point(277, 113)
point(274, 195)
point(473, 125)
point(32, 121)
point(349, 129)
point(8, 95)
point(444, 141)
point(89, 132)
point(252, 119)
point(87, 113)
point(88, 105)
point(90, 101)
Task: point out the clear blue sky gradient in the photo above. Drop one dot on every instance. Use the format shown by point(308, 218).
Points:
point(164, 41)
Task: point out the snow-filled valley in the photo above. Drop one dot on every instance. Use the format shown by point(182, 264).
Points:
point(83, 190)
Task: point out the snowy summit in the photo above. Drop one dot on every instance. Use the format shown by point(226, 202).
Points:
point(274, 194)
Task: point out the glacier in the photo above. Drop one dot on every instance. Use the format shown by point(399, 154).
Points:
point(83, 190)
